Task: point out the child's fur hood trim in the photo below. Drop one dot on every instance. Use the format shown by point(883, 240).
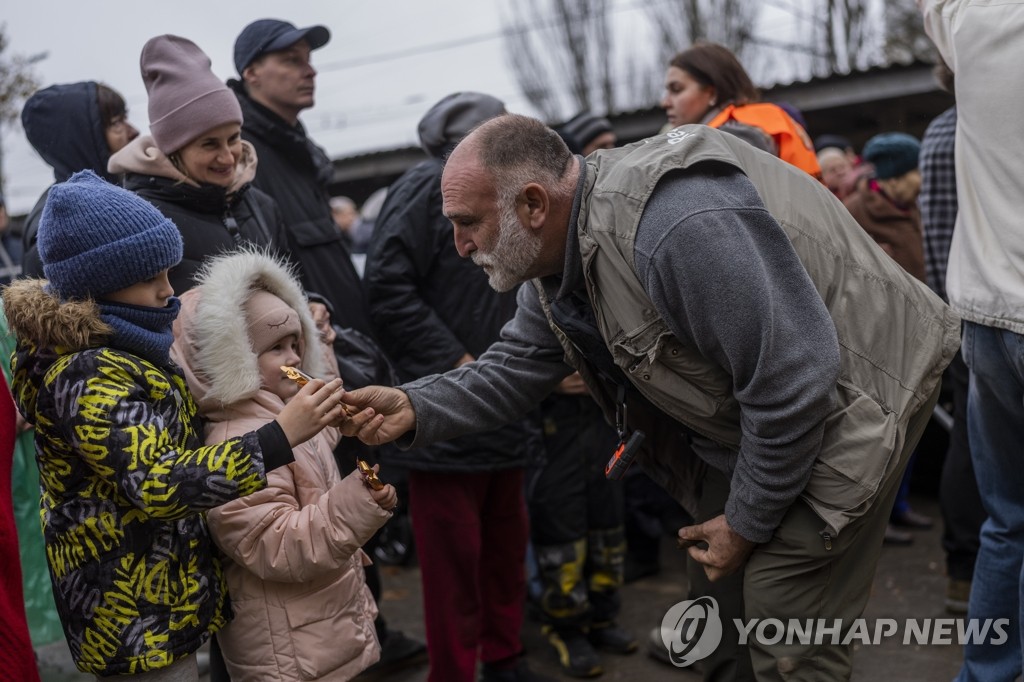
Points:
point(40, 318)
point(211, 334)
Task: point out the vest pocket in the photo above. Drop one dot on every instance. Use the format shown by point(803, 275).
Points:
point(670, 374)
point(857, 453)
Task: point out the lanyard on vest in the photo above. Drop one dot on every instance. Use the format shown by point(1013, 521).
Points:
point(573, 316)
point(625, 453)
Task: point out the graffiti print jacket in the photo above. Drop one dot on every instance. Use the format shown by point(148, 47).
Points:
point(124, 479)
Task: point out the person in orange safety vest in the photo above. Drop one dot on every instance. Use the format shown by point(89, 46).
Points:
point(707, 84)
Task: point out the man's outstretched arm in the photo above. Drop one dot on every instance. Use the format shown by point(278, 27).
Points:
point(504, 383)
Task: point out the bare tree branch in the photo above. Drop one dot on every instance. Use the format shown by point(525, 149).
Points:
point(680, 24)
point(905, 38)
point(17, 80)
point(17, 83)
point(561, 52)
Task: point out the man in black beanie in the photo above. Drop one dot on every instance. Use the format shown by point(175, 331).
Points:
point(434, 311)
point(585, 133)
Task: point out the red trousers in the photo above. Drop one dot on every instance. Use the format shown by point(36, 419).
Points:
point(471, 532)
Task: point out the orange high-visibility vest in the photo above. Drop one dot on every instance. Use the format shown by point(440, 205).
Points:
point(791, 139)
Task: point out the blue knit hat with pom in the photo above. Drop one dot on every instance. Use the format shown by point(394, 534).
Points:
point(96, 238)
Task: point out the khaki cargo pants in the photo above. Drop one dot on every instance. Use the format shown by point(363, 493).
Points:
point(794, 575)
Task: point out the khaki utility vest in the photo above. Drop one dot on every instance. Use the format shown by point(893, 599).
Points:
point(895, 336)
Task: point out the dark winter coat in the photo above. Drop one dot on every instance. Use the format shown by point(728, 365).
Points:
point(211, 219)
point(295, 172)
point(211, 223)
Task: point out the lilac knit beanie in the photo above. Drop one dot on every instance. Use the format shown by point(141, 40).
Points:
point(185, 98)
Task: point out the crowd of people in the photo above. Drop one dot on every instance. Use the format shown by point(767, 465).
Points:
point(235, 384)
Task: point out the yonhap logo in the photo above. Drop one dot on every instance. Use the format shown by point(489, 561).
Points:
point(691, 630)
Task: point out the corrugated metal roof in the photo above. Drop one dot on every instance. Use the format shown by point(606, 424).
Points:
point(897, 78)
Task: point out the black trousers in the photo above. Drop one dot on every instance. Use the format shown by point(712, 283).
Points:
point(576, 514)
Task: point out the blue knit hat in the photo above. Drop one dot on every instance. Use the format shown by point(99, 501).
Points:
point(96, 238)
point(892, 154)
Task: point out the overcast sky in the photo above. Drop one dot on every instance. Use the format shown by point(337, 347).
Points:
point(386, 63)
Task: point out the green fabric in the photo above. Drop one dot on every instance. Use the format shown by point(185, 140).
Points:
point(43, 621)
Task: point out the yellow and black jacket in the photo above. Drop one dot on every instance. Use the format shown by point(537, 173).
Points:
point(124, 479)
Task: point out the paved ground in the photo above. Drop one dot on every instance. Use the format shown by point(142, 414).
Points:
point(909, 584)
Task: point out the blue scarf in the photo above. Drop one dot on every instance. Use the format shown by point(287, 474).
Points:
point(142, 330)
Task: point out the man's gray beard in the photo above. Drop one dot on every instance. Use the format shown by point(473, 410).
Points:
point(514, 253)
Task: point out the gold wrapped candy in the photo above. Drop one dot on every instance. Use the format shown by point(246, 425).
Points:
point(369, 475)
point(296, 375)
point(301, 378)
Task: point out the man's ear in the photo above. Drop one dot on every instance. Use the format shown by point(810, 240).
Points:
point(535, 202)
point(249, 76)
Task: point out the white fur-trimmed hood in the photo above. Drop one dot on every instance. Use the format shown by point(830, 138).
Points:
point(211, 342)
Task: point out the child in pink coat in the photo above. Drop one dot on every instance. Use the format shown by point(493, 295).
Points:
point(295, 570)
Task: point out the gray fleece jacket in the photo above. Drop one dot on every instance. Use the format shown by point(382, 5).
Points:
point(718, 211)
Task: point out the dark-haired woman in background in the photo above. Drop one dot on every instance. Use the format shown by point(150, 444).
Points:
point(707, 84)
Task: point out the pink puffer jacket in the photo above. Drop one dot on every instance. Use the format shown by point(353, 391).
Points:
point(302, 608)
point(295, 570)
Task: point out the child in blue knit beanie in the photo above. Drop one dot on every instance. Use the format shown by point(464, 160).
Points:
point(124, 472)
